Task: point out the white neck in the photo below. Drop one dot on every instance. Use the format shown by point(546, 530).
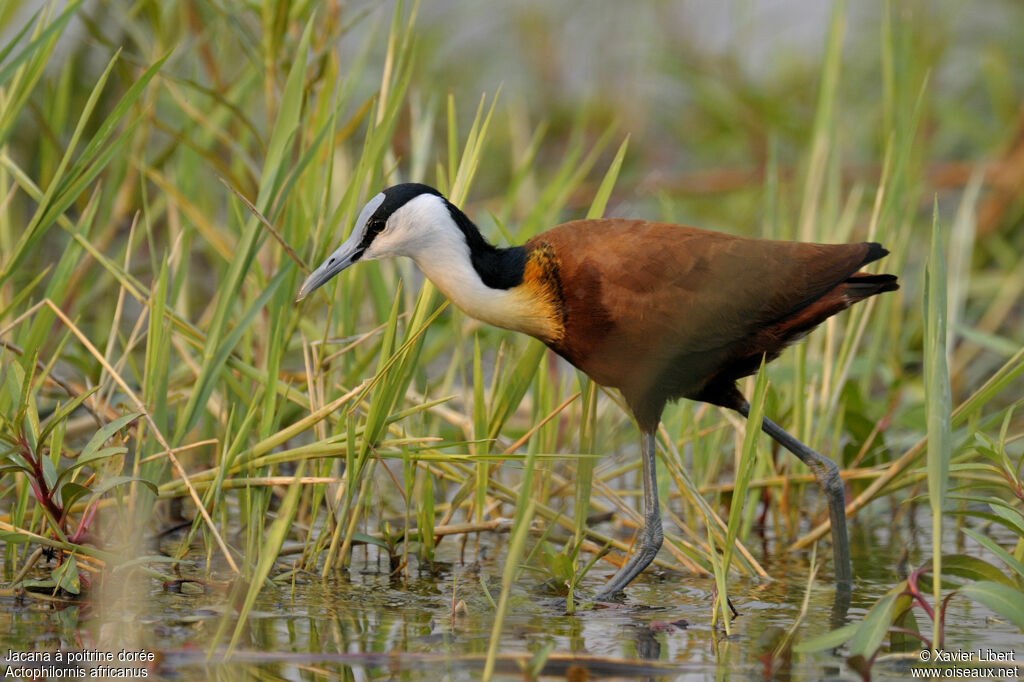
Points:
point(447, 264)
point(424, 230)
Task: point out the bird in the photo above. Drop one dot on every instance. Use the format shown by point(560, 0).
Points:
point(655, 310)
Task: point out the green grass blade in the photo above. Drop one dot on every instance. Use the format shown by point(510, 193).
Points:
point(275, 538)
point(33, 58)
point(604, 190)
point(216, 361)
point(479, 432)
point(514, 387)
point(988, 543)
point(14, 40)
point(525, 507)
point(38, 223)
point(938, 400)
point(744, 471)
point(745, 466)
point(584, 482)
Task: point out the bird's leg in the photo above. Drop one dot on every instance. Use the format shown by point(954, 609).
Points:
point(650, 538)
point(827, 474)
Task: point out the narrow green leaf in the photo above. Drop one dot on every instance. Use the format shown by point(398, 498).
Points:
point(14, 40)
point(66, 576)
point(746, 464)
point(906, 620)
point(992, 546)
point(104, 434)
point(287, 122)
point(130, 97)
point(15, 538)
point(525, 507)
point(872, 630)
point(365, 539)
point(1012, 515)
point(385, 394)
point(584, 478)
point(938, 398)
point(62, 192)
point(156, 365)
point(54, 27)
point(275, 538)
point(937, 391)
point(49, 472)
point(71, 492)
point(64, 411)
point(829, 640)
point(211, 370)
point(479, 432)
point(108, 484)
point(1007, 602)
point(604, 191)
point(514, 386)
point(94, 457)
point(973, 568)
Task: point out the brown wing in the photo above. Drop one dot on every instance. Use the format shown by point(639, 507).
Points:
point(659, 305)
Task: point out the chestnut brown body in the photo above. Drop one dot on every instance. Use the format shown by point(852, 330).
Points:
point(663, 311)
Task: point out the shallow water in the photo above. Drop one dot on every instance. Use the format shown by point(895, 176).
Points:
point(368, 625)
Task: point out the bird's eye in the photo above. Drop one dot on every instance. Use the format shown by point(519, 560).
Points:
point(374, 226)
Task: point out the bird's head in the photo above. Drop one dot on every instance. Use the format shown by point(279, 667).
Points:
point(403, 220)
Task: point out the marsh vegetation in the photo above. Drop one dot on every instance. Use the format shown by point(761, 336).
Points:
point(372, 484)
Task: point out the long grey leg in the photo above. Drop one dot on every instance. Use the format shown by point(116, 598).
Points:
point(650, 538)
point(827, 474)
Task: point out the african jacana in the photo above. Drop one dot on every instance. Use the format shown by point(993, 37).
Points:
point(658, 311)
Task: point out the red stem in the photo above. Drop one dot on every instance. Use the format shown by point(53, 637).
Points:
point(38, 483)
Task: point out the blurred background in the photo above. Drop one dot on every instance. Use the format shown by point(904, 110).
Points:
point(128, 126)
point(709, 93)
point(705, 89)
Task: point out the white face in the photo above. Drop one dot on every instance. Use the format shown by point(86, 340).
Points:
point(409, 230)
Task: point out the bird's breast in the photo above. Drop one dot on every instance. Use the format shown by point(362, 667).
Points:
point(535, 306)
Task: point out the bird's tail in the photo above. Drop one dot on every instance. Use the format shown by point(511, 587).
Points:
point(861, 285)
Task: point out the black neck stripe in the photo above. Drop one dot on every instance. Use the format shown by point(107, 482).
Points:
point(498, 268)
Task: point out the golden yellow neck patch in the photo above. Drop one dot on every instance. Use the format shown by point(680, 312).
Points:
point(542, 287)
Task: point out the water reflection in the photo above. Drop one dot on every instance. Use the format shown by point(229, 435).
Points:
point(369, 623)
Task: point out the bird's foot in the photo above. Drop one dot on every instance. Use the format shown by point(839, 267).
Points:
point(585, 601)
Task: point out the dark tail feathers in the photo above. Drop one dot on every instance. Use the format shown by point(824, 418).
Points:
point(861, 285)
point(875, 252)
